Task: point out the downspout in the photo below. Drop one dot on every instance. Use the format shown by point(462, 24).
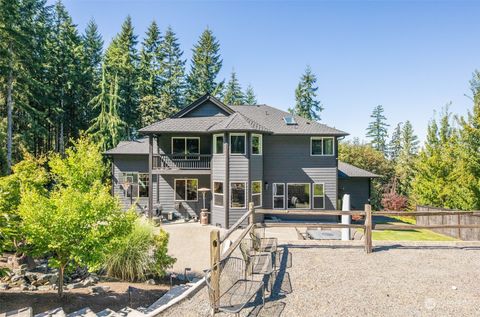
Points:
point(226, 195)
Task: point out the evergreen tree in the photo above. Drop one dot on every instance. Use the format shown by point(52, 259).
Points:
point(250, 98)
point(307, 105)
point(233, 91)
point(121, 60)
point(405, 163)
point(206, 64)
point(172, 68)
point(149, 68)
point(395, 145)
point(92, 53)
point(107, 127)
point(377, 130)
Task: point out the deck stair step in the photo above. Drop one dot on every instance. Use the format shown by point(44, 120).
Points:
point(22, 312)
point(56, 312)
point(84, 312)
point(168, 296)
point(129, 312)
point(107, 313)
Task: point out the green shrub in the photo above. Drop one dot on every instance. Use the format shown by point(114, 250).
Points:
point(140, 254)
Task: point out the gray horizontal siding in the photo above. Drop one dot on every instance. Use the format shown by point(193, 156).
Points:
point(357, 188)
point(208, 109)
point(218, 174)
point(238, 173)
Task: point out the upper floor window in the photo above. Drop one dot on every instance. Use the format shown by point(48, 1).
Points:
point(185, 145)
point(237, 143)
point(218, 144)
point(256, 144)
point(321, 146)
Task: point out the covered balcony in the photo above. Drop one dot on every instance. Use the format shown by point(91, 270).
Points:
point(174, 163)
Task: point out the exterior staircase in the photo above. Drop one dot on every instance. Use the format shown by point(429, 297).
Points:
point(150, 311)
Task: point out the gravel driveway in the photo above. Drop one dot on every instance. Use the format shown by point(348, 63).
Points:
point(334, 280)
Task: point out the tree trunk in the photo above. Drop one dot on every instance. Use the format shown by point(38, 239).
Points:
point(60, 279)
point(9, 116)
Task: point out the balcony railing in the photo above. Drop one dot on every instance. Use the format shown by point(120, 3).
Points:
point(181, 162)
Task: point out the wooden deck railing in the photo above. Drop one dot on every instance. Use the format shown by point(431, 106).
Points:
point(180, 161)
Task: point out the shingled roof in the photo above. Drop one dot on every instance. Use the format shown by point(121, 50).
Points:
point(238, 122)
point(346, 170)
point(137, 147)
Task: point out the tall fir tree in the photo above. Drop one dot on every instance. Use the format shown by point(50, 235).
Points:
point(306, 103)
point(149, 65)
point(121, 60)
point(250, 97)
point(405, 163)
point(377, 130)
point(93, 54)
point(233, 94)
point(172, 66)
point(395, 145)
point(206, 64)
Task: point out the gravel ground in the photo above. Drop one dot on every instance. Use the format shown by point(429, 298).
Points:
point(415, 279)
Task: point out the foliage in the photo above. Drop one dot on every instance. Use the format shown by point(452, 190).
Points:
point(377, 130)
point(366, 157)
point(404, 171)
point(307, 105)
point(75, 221)
point(149, 64)
point(395, 145)
point(140, 254)
point(206, 64)
point(394, 201)
point(250, 98)
point(233, 94)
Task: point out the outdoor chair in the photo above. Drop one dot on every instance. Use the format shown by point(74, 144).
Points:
point(262, 244)
point(257, 263)
point(236, 290)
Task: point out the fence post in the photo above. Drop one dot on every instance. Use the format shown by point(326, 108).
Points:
point(251, 209)
point(214, 264)
point(368, 228)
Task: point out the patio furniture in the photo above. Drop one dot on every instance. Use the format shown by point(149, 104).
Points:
point(258, 263)
point(262, 244)
point(236, 290)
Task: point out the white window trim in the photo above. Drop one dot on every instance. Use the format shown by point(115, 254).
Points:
point(258, 194)
point(276, 196)
point(185, 140)
point(175, 189)
point(245, 143)
point(309, 194)
point(213, 193)
point(322, 138)
point(148, 183)
point(125, 192)
point(244, 200)
point(215, 136)
point(313, 195)
point(260, 143)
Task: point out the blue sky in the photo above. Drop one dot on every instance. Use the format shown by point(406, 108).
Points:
point(411, 57)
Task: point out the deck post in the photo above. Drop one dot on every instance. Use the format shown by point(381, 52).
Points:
point(368, 228)
point(251, 210)
point(150, 176)
point(215, 268)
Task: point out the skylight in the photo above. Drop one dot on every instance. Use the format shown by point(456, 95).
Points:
point(289, 120)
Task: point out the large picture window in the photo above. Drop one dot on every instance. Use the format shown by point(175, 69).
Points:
point(183, 146)
point(321, 146)
point(257, 193)
point(218, 144)
point(318, 196)
point(298, 196)
point(237, 143)
point(186, 189)
point(134, 184)
point(218, 194)
point(278, 196)
point(256, 144)
point(237, 195)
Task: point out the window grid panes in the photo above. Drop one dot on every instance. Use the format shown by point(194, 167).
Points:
point(318, 196)
point(278, 196)
point(256, 144)
point(298, 196)
point(237, 143)
point(186, 189)
point(218, 194)
point(218, 144)
point(187, 147)
point(257, 193)
point(321, 146)
point(237, 195)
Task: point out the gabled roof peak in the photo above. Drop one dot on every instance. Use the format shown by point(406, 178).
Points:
point(200, 101)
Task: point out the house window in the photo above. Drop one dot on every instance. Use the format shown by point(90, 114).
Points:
point(278, 196)
point(237, 143)
point(218, 194)
point(186, 190)
point(257, 193)
point(318, 196)
point(321, 146)
point(256, 144)
point(237, 195)
point(218, 144)
point(182, 146)
point(298, 196)
point(135, 184)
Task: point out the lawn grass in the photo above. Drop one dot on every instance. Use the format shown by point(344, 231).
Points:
point(405, 235)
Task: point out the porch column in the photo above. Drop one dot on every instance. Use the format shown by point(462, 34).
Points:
point(150, 176)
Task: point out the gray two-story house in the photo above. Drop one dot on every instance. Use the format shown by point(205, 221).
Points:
point(240, 154)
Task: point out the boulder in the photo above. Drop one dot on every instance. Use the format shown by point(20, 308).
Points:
point(44, 288)
point(74, 285)
point(32, 288)
point(20, 271)
point(16, 278)
point(31, 277)
point(4, 286)
point(24, 287)
point(89, 281)
point(100, 289)
point(151, 282)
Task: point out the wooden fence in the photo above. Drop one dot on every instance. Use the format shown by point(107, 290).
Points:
point(459, 218)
